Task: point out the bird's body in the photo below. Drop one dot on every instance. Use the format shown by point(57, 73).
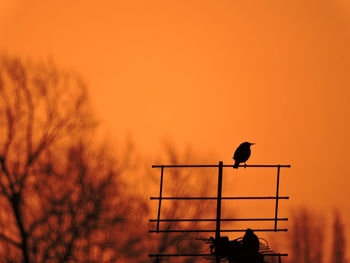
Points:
point(250, 242)
point(242, 154)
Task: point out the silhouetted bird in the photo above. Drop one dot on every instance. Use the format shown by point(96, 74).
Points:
point(250, 242)
point(242, 154)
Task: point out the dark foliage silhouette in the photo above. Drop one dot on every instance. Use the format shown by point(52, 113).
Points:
point(242, 153)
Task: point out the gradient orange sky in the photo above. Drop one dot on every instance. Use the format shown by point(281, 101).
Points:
point(211, 74)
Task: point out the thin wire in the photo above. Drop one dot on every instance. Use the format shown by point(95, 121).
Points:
point(190, 238)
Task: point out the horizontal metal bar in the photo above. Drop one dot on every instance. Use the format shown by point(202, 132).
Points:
point(216, 165)
point(208, 255)
point(222, 219)
point(224, 198)
point(213, 230)
point(180, 255)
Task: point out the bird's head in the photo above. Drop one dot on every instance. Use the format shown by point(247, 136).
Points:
point(248, 144)
point(249, 232)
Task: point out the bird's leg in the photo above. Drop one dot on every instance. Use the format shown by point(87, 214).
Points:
point(245, 165)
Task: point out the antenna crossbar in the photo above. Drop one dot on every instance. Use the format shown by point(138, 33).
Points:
point(222, 219)
point(225, 165)
point(215, 198)
point(207, 255)
point(214, 230)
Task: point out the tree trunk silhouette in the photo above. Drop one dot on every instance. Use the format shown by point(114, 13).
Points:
point(15, 204)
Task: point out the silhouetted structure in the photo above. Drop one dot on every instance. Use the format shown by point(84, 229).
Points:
point(242, 154)
point(241, 250)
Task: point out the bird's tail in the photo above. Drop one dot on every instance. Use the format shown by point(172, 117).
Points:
point(235, 166)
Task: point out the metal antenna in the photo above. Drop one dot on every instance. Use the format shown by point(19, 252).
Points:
point(218, 219)
point(218, 209)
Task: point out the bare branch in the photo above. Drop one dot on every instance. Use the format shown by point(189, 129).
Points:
point(5, 171)
point(10, 121)
point(30, 121)
point(9, 240)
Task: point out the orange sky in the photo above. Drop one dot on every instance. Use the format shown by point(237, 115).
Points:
point(211, 74)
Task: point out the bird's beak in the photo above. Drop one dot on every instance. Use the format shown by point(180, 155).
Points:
point(252, 143)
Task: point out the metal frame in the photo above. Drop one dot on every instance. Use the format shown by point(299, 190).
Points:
point(218, 219)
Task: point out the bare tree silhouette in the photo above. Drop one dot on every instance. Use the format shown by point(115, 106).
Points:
point(339, 242)
point(61, 197)
point(306, 237)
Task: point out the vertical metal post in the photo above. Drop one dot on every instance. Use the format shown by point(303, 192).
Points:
point(160, 198)
point(279, 259)
point(277, 195)
point(157, 259)
point(218, 210)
